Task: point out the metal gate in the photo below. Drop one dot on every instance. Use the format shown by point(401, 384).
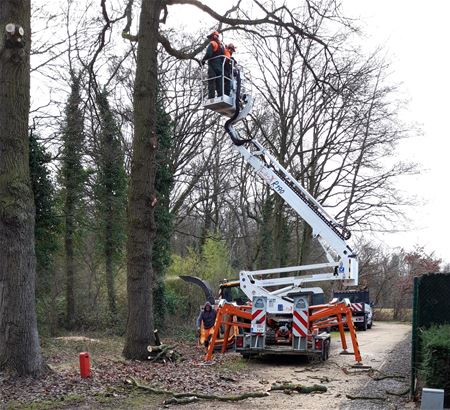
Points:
point(431, 306)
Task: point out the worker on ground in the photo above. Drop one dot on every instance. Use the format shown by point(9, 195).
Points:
point(206, 321)
point(213, 55)
point(230, 62)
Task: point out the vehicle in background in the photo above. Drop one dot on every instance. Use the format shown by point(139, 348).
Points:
point(362, 311)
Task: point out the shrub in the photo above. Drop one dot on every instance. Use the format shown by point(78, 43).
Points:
point(435, 370)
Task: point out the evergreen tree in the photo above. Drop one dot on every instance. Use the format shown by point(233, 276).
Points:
point(73, 177)
point(46, 227)
point(111, 196)
point(265, 234)
point(163, 216)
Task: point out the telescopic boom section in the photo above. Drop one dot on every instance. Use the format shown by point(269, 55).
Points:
point(342, 262)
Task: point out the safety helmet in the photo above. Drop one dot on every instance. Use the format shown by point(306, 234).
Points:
point(231, 47)
point(214, 35)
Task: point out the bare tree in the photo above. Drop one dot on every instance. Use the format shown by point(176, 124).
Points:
point(141, 197)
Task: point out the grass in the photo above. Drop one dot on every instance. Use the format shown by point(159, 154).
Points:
point(70, 399)
point(69, 346)
point(387, 314)
point(235, 364)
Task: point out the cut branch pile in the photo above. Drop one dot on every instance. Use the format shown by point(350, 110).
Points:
point(164, 353)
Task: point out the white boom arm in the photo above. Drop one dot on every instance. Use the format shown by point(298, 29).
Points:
point(342, 261)
point(343, 266)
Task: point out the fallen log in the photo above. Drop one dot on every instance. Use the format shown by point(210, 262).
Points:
point(299, 388)
point(202, 396)
point(163, 353)
point(154, 349)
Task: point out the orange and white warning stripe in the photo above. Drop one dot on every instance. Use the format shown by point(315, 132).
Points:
point(300, 323)
point(258, 324)
point(357, 307)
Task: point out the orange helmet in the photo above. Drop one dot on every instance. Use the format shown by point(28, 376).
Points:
point(231, 47)
point(214, 35)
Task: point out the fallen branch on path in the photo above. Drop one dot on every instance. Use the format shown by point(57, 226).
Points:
point(356, 371)
point(299, 388)
point(322, 379)
point(183, 400)
point(385, 376)
point(191, 397)
point(399, 393)
point(350, 397)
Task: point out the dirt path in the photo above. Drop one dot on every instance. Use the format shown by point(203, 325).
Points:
point(377, 346)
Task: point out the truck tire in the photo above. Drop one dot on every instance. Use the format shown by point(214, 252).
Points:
point(369, 325)
point(326, 350)
point(364, 325)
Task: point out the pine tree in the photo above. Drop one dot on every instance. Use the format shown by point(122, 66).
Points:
point(73, 177)
point(111, 196)
point(163, 216)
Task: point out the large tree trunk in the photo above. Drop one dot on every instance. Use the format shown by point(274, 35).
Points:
point(141, 222)
point(19, 341)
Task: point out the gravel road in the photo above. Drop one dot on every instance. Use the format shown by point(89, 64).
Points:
point(385, 347)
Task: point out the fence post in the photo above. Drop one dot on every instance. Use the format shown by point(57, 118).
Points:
point(414, 343)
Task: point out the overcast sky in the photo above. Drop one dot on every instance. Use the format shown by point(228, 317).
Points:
point(416, 36)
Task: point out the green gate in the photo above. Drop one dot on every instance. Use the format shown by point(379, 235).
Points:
point(431, 306)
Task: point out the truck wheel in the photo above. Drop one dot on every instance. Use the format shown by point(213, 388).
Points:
point(364, 325)
point(369, 325)
point(326, 350)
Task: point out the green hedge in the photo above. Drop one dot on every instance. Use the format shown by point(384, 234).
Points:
point(435, 369)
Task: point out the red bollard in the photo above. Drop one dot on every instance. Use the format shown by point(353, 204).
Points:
point(85, 366)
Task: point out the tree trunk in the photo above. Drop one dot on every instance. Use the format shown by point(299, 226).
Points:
point(73, 178)
point(141, 195)
point(69, 211)
point(109, 265)
point(19, 341)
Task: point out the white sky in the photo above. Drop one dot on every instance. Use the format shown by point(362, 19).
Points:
point(416, 37)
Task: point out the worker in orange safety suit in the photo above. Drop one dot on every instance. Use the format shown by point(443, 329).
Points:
point(230, 62)
point(214, 57)
point(205, 324)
